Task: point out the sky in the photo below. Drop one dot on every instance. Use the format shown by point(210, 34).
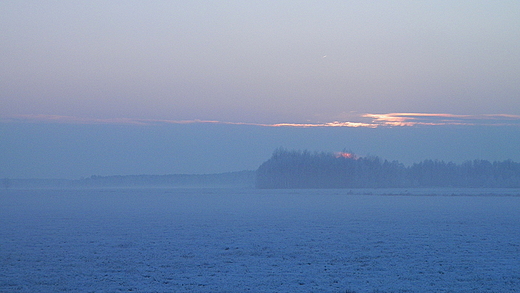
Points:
point(161, 87)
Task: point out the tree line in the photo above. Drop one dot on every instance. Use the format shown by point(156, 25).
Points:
point(305, 169)
point(240, 179)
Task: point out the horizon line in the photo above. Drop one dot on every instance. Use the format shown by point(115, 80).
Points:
point(366, 120)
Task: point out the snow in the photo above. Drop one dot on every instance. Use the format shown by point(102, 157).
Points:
point(239, 240)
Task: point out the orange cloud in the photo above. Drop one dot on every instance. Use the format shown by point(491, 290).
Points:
point(329, 124)
point(412, 119)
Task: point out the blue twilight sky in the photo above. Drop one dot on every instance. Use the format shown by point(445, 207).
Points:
point(155, 87)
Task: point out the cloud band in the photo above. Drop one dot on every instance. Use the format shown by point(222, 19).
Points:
point(366, 120)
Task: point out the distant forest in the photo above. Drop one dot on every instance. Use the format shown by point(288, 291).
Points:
point(240, 179)
point(304, 169)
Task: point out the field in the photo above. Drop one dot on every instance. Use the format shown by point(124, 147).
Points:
point(239, 240)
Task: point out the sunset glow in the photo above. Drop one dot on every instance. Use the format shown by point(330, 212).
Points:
point(345, 155)
point(376, 120)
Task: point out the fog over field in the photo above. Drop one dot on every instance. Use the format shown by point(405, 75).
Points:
point(239, 240)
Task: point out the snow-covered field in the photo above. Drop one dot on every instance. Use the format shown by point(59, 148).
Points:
point(236, 240)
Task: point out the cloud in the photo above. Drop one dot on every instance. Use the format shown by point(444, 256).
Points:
point(366, 120)
point(413, 119)
point(130, 121)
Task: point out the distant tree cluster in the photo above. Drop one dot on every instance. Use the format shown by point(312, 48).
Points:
point(476, 173)
point(304, 169)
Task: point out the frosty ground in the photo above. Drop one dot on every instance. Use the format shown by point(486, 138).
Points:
point(237, 240)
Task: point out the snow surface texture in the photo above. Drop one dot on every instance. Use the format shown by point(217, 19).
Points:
point(237, 240)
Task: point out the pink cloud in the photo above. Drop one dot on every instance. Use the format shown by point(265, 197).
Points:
point(413, 119)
